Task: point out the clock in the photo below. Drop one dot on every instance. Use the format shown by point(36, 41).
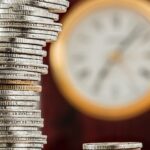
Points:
point(101, 61)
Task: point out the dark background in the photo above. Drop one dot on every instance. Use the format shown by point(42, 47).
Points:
point(67, 128)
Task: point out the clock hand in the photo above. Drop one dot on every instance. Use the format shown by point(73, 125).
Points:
point(131, 38)
point(102, 74)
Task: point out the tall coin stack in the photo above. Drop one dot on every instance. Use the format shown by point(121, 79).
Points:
point(25, 27)
point(113, 146)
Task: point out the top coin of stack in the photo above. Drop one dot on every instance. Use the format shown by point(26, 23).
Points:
point(113, 146)
point(25, 27)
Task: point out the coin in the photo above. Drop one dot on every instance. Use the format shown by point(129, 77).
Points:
point(33, 122)
point(18, 82)
point(49, 38)
point(35, 88)
point(19, 149)
point(22, 41)
point(24, 56)
point(52, 26)
point(17, 93)
point(8, 46)
point(20, 113)
point(17, 103)
point(112, 146)
point(4, 128)
point(20, 98)
point(20, 133)
point(53, 7)
point(25, 30)
point(13, 60)
point(19, 50)
point(39, 69)
point(27, 12)
point(27, 145)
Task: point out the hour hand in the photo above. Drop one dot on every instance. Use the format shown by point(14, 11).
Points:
point(101, 75)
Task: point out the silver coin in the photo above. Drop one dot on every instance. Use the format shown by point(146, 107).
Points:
point(12, 60)
point(25, 136)
point(19, 77)
point(18, 107)
point(49, 38)
point(29, 31)
point(22, 113)
point(24, 75)
point(19, 148)
point(35, 136)
point(15, 2)
point(38, 13)
point(9, 46)
point(22, 40)
point(58, 2)
point(20, 98)
point(53, 7)
point(29, 145)
point(18, 7)
point(112, 146)
point(17, 93)
point(19, 63)
point(17, 103)
point(20, 133)
point(13, 145)
point(24, 18)
point(10, 55)
point(15, 50)
point(24, 63)
point(29, 25)
point(18, 128)
point(22, 140)
point(33, 122)
point(38, 69)
point(19, 72)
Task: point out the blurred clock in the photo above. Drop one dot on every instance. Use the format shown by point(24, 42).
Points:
point(101, 61)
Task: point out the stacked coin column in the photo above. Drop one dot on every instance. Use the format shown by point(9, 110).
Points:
point(25, 27)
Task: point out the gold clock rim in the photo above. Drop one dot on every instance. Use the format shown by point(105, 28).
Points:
point(61, 77)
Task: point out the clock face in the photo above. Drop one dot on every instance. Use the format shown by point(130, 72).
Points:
point(101, 61)
point(108, 56)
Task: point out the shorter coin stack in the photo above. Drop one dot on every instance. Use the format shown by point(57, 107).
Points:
point(113, 146)
point(25, 27)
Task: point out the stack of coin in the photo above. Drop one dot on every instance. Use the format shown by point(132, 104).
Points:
point(25, 27)
point(113, 146)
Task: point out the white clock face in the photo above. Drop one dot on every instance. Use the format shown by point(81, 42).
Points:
point(108, 57)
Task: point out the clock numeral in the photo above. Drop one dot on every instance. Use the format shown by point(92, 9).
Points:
point(116, 20)
point(145, 73)
point(83, 74)
point(96, 24)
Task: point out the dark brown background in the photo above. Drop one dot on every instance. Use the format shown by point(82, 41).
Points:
point(67, 128)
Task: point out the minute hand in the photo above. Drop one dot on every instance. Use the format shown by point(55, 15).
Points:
point(133, 35)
